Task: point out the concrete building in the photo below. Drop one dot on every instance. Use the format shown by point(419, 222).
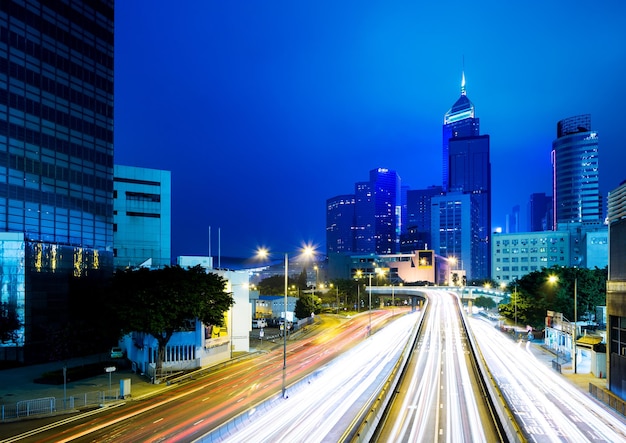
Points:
point(142, 216)
point(518, 254)
point(423, 267)
point(56, 160)
point(616, 292)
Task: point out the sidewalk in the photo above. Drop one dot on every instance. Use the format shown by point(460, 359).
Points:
point(18, 384)
point(580, 380)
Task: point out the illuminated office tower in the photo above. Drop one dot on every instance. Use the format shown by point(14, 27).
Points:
point(575, 172)
point(367, 221)
point(377, 213)
point(467, 170)
point(459, 121)
point(340, 224)
point(56, 161)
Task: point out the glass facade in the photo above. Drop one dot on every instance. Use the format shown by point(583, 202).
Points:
point(467, 169)
point(575, 172)
point(56, 142)
point(339, 224)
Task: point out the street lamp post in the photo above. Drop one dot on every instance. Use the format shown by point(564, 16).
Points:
point(369, 329)
point(359, 274)
point(515, 294)
point(264, 253)
point(284, 389)
point(575, 319)
point(553, 279)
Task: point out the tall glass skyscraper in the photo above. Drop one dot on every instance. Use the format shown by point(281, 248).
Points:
point(367, 221)
point(340, 224)
point(576, 183)
point(467, 170)
point(56, 156)
point(459, 121)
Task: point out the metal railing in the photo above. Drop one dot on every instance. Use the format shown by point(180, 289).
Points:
point(39, 407)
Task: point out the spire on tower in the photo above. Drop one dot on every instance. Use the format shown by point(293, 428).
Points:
point(463, 78)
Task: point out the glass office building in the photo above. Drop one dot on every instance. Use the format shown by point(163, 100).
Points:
point(56, 154)
point(467, 170)
point(576, 186)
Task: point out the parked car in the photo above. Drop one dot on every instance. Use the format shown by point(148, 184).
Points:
point(117, 352)
point(259, 323)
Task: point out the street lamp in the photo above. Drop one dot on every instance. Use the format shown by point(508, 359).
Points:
point(337, 288)
point(553, 279)
point(359, 274)
point(452, 261)
point(264, 253)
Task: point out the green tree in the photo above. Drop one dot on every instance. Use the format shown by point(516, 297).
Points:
point(536, 293)
point(307, 304)
point(484, 302)
point(274, 285)
point(302, 279)
point(160, 302)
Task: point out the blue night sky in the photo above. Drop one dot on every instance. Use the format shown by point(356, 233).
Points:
point(262, 110)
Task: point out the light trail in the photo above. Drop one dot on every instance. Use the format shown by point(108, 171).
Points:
point(310, 413)
point(437, 402)
point(546, 406)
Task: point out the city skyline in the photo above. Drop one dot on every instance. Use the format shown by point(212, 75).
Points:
point(262, 113)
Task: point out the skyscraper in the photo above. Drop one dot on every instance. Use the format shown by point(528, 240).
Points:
point(417, 232)
point(575, 172)
point(56, 157)
point(540, 212)
point(459, 121)
point(367, 221)
point(340, 224)
point(467, 170)
point(377, 213)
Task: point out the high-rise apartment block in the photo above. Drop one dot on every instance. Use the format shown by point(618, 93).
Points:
point(56, 159)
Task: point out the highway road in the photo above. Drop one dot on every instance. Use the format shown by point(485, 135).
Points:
point(321, 410)
point(546, 407)
point(439, 398)
point(194, 408)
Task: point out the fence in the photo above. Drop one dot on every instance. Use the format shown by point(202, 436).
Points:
point(608, 398)
point(39, 407)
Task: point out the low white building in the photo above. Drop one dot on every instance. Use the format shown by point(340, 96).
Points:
point(200, 345)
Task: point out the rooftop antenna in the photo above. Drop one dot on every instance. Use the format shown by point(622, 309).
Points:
point(463, 78)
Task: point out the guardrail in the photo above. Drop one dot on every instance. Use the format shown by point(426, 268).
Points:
point(46, 406)
point(500, 410)
point(367, 420)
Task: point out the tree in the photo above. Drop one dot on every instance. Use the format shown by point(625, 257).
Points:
point(159, 302)
point(9, 323)
point(274, 285)
point(536, 294)
point(306, 305)
point(484, 302)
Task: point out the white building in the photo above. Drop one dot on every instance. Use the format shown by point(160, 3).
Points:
point(515, 255)
point(199, 346)
point(141, 217)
